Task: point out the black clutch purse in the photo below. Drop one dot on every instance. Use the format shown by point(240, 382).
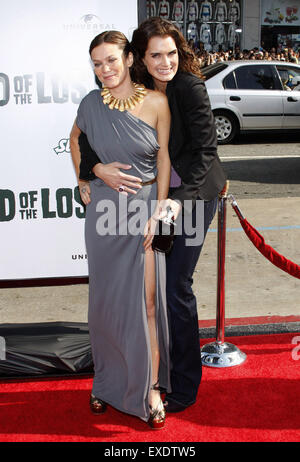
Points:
point(165, 234)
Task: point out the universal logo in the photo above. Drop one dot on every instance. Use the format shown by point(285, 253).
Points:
point(89, 22)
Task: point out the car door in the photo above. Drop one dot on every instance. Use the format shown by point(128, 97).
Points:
point(257, 96)
point(290, 96)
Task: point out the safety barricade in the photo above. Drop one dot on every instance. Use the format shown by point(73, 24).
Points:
point(221, 353)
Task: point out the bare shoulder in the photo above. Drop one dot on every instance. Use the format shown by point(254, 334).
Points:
point(156, 98)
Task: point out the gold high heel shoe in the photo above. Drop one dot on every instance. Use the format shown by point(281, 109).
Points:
point(158, 415)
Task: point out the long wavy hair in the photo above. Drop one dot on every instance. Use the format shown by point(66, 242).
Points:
point(154, 27)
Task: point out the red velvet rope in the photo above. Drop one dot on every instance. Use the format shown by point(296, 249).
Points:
point(274, 257)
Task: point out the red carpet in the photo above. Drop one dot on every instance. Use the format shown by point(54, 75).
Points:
point(256, 401)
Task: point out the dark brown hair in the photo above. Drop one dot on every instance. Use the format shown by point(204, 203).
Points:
point(111, 36)
point(156, 26)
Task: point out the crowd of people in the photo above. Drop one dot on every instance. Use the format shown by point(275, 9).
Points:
point(208, 57)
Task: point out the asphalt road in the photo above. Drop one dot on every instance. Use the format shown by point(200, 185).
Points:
point(263, 165)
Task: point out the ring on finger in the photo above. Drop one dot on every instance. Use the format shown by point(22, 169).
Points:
point(83, 190)
point(121, 188)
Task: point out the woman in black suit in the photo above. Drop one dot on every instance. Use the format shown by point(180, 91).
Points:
point(164, 62)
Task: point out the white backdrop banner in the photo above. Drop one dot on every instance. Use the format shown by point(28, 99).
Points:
point(45, 72)
point(280, 12)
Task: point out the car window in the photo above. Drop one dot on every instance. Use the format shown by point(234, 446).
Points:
point(229, 81)
point(257, 77)
point(212, 70)
point(289, 76)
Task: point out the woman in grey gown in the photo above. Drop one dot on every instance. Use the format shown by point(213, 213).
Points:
point(128, 127)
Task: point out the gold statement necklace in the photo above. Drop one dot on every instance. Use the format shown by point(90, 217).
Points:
point(126, 103)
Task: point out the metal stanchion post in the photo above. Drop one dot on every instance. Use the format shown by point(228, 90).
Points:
point(220, 353)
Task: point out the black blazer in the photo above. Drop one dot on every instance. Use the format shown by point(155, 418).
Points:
point(192, 145)
point(193, 140)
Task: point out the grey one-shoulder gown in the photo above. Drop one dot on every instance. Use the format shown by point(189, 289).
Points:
point(117, 315)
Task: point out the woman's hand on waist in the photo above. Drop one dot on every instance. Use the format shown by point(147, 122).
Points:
point(113, 177)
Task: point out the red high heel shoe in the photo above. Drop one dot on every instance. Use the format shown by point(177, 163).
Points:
point(158, 415)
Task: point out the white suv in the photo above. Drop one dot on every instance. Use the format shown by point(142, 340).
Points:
point(253, 95)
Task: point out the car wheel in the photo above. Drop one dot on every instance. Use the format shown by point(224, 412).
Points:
point(226, 125)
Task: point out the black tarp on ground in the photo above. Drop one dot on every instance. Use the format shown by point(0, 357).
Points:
point(44, 349)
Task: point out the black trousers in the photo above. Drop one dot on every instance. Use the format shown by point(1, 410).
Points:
point(186, 367)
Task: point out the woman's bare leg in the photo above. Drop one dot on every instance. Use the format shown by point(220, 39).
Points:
point(154, 398)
